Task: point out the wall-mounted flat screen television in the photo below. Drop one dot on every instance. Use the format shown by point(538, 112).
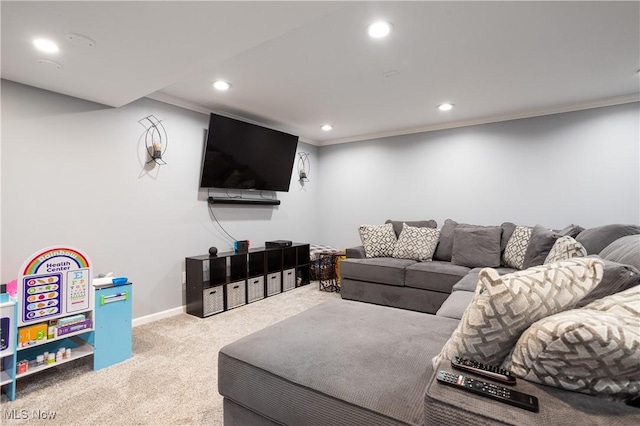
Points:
point(241, 155)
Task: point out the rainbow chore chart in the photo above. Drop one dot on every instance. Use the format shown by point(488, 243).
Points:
point(54, 282)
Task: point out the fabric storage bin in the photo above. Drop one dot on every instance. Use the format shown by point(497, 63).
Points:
point(289, 279)
point(255, 289)
point(236, 294)
point(274, 283)
point(212, 301)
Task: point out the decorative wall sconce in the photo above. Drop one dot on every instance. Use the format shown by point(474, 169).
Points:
point(304, 167)
point(155, 139)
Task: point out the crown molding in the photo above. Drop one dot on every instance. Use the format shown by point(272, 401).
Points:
point(618, 100)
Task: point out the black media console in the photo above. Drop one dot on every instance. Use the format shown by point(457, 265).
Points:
point(230, 279)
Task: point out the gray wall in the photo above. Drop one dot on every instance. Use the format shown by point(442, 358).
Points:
point(580, 167)
point(73, 173)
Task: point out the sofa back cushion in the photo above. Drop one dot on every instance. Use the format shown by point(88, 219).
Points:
point(504, 306)
point(476, 246)
point(444, 249)
point(596, 239)
point(592, 350)
point(624, 250)
point(540, 244)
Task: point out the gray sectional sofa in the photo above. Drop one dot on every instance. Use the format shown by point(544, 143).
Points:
point(424, 286)
point(344, 362)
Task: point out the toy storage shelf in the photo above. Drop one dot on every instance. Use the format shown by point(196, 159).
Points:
point(260, 271)
point(82, 350)
point(8, 329)
point(5, 378)
point(46, 342)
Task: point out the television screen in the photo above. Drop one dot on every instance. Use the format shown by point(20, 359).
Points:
point(240, 155)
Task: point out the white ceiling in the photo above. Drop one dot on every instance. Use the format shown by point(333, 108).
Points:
point(297, 65)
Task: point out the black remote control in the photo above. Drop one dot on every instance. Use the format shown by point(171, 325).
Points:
point(488, 371)
point(499, 393)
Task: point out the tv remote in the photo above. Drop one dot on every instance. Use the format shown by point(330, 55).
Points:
point(488, 371)
point(499, 393)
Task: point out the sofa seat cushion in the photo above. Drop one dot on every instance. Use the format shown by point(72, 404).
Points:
point(456, 304)
point(340, 362)
point(435, 275)
point(383, 270)
point(470, 281)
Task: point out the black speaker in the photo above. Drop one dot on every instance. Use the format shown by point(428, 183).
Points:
point(213, 251)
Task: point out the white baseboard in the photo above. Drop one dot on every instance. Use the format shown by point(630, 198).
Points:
point(158, 316)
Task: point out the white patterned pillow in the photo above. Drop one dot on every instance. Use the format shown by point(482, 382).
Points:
point(504, 306)
point(378, 240)
point(565, 248)
point(416, 243)
point(516, 248)
point(592, 350)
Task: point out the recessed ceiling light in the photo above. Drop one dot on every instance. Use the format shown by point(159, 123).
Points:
point(379, 29)
point(326, 127)
point(45, 45)
point(445, 107)
point(221, 85)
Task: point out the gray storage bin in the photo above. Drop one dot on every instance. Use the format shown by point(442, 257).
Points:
point(288, 279)
point(212, 301)
point(274, 283)
point(255, 289)
point(236, 294)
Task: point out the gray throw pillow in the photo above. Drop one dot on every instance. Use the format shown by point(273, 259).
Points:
point(616, 277)
point(624, 250)
point(507, 231)
point(445, 244)
point(476, 246)
point(596, 239)
point(540, 244)
point(398, 224)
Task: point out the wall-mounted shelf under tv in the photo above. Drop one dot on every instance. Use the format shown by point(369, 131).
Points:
point(252, 201)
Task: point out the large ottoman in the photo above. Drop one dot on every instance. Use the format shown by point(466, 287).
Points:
point(339, 363)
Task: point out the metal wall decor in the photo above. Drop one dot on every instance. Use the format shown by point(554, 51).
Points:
point(155, 139)
point(304, 167)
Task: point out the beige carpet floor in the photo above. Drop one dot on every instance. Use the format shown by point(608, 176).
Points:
point(172, 378)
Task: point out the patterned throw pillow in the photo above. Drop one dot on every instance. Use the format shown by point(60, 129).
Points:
point(416, 243)
point(513, 256)
point(565, 248)
point(378, 240)
point(592, 350)
point(504, 306)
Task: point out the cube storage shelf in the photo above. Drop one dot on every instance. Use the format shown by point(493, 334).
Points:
point(230, 279)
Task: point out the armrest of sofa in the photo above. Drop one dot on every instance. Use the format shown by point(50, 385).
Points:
point(557, 406)
point(356, 252)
